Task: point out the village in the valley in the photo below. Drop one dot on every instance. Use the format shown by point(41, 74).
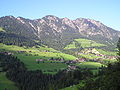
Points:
point(71, 63)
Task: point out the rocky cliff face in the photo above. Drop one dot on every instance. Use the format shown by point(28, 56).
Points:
point(58, 32)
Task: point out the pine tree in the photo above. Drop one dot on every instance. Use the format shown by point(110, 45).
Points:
point(118, 46)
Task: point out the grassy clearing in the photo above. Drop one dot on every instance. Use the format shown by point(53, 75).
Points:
point(70, 46)
point(89, 65)
point(31, 54)
point(109, 60)
point(5, 83)
point(90, 56)
point(88, 43)
point(84, 43)
point(32, 49)
point(45, 66)
point(107, 52)
point(41, 51)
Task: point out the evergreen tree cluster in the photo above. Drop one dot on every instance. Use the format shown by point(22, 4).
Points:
point(14, 39)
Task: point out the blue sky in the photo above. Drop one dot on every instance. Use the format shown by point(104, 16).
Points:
point(106, 11)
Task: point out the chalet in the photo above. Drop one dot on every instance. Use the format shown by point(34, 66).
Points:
point(21, 51)
point(71, 62)
point(80, 60)
point(7, 53)
point(71, 67)
point(39, 60)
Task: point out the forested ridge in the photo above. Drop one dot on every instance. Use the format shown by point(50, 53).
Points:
point(14, 39)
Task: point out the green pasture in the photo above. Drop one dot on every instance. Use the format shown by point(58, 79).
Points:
point(70, 46)
point(5, 83)
point(27, 49)
point(84, 43)
point(90, 65)
point(41, 51)
point(109, 60)
point(88, 43)
point(45, 66)
point(31, 54)
point(107, 52)
point(90, 56)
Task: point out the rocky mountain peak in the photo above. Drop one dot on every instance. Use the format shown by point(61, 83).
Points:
point(68, 22)
point(52, 29)
point(10, 16)
point(97, 23)
point(20, 19)
point(50, 18)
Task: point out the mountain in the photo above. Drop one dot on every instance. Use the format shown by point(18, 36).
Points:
point(59, 32)
point(81, 49)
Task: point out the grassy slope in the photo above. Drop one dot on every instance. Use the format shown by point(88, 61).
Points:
point(89, 64)
point(70, 46)
point(85, 43)
point(104, 52)
point(90, 56)
point(93, 65)
point(88, 43)
point(41, 51)
point(107, 52)
point(31, 54)
point(31, 64)
point(5, 83)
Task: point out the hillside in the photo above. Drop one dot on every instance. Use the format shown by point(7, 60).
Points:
point(59, 32)
point(63, 52)
point(81, 39)
point(28, 55)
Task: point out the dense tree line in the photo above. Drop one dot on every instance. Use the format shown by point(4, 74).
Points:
point(14, 39)
point(36, 80)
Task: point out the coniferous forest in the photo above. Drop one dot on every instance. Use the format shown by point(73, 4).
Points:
point(15, 39)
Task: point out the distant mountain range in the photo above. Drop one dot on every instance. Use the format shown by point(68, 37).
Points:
point(58, 32)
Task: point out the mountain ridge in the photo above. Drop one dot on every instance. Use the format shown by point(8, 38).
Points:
point(58, 32)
